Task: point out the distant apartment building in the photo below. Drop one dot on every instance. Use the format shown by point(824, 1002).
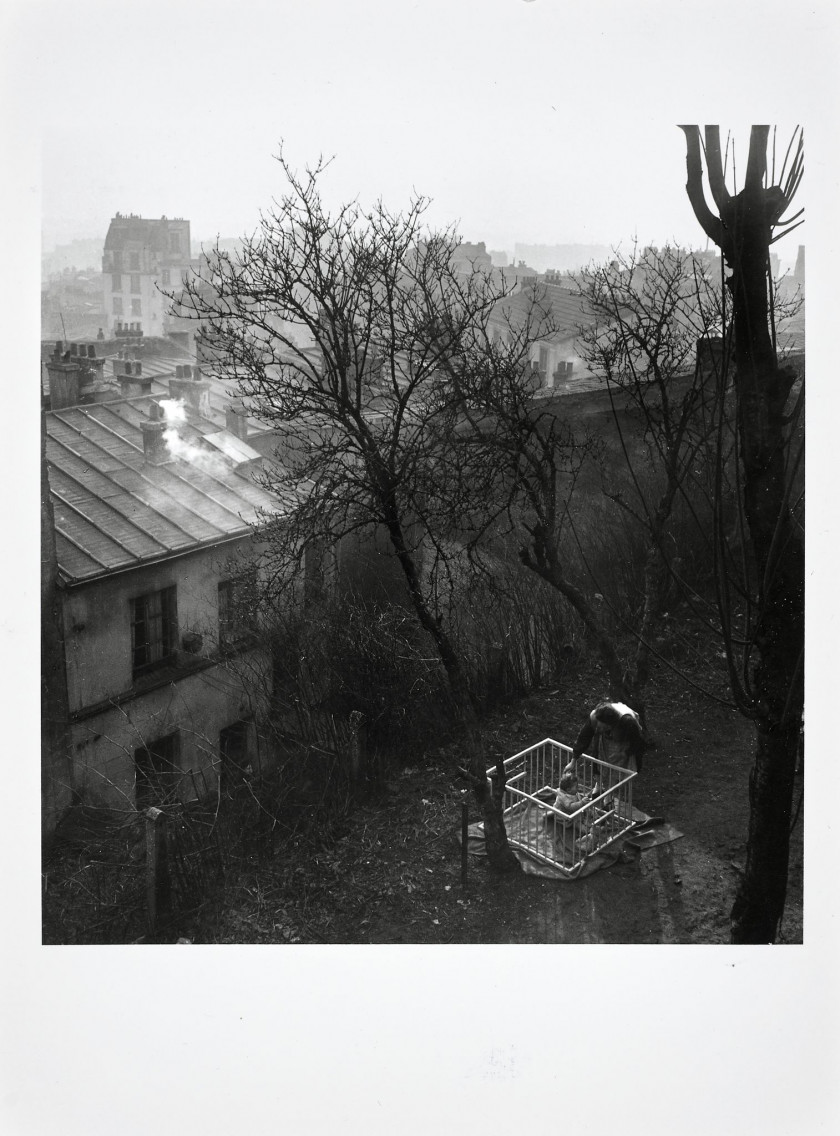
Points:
point(469, 258)
point(71, 304)
point(142, 259)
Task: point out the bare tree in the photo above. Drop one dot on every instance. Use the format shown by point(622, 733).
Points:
point(643, 321)
point(651, 309)
point(769, 688)
point(335, 328)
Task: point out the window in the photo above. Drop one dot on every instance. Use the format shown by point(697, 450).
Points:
point(154, 630)
point(174, 242)
point(135, 281)
point(157, 771)
point(118, 311)
point(233, 755)
point(116, 282)
point(136, 308)
point(237, 608)
point(116, 262)
point(164, 277)
point(134, 260)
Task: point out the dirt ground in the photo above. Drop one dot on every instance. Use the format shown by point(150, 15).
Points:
point(394, 876)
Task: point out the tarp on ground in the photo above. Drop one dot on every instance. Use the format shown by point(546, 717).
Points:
point(528, 827)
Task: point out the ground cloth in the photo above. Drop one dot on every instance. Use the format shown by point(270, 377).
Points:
point(528, 827)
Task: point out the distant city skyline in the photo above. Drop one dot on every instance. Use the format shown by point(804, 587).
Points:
point(522, 122)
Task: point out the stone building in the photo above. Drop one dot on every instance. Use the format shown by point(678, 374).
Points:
point(154, 679)
point(142, 259)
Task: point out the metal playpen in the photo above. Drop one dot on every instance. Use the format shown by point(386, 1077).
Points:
point(564, 829)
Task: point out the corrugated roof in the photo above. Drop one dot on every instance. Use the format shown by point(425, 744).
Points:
point(114, 510)
point(565, 311)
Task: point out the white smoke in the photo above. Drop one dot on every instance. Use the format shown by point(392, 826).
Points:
point(174, 410)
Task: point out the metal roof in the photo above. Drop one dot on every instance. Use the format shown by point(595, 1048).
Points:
point(564, 310)
point(160, 369)
point(115, 510)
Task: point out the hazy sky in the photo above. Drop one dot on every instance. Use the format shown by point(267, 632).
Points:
point(524, 120)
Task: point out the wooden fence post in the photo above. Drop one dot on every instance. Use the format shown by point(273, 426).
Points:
point(465, 825)
point(158, 885)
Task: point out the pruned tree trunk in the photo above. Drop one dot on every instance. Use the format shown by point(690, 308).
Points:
point(744, 231)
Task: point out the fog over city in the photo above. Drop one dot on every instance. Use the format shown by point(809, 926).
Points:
point(522, 122)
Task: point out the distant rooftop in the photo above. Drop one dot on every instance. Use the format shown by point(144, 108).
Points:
point(152, 232)
point(563, 307)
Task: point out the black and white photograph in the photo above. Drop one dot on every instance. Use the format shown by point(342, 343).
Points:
point(419, 455)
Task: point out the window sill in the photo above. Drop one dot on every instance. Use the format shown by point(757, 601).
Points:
point(181, 667)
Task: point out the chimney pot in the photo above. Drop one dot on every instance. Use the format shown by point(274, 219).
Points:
point(155, 449)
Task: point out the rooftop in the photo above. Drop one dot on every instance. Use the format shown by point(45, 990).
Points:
point(115, 510)
point(565, 310)
point(152, 232)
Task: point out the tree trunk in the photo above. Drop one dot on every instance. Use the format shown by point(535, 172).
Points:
point(760, 900)
point(620, 687)
point(762, 389)
point(500, 856)
point(744, 231)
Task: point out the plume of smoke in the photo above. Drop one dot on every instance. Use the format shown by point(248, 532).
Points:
point(174, 410)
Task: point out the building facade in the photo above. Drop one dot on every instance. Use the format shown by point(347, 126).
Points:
point(142, 260)
point(157, 680)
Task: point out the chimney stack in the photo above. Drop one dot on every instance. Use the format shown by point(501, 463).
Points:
point(194, 392)
point(710, 356)
point(64, 383)
point(132, 382)
point(799, 269)
point(155, 449)
point(236, 420)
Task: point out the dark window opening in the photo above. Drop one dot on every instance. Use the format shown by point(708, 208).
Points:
point(233, 753)
point(154, 630)
point(157, 771)
point(116, 282)
point(237, 608)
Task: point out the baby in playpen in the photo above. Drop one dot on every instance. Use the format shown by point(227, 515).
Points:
point(612, 733)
